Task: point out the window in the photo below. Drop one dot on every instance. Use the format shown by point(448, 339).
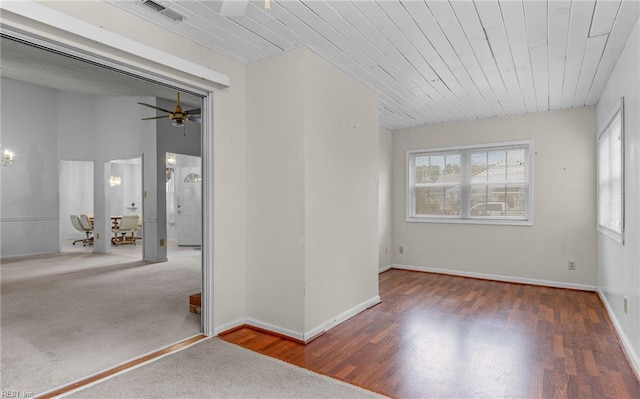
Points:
point(192, 178)
point(474, 184)
point(611, 177)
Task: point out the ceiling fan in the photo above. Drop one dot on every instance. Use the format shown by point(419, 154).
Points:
point(177, 116)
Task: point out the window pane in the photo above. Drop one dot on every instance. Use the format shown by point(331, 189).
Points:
point(488, 200)
point(451, 172)
point(498, 200)
point(421, 170)
point(497, 167)
point(429, 169)
point(515, 165)
point(452, 200)
point(478, 201)
point(515, 200)
point(479, 167)
point(437, 169)
point(429, 201)
point(438, 200)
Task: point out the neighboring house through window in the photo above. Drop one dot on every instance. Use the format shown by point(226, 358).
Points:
point(471, 184)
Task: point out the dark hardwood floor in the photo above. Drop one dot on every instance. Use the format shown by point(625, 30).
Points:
point(438, 336)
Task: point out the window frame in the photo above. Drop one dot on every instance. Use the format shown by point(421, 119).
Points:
point(465, 195)
point(618, 236)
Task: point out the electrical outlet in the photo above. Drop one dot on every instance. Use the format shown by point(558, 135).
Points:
point(162, 242)
point(401, 249)
point(626, 304)
point(97, 236)
point(386, 250)
point(572, 265)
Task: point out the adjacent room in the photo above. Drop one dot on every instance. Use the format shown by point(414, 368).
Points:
point(66, 292)
point(400, 198)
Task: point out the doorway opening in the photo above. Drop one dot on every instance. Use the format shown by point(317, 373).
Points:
point(75, 190)
point(124, 197)
point(70, 307)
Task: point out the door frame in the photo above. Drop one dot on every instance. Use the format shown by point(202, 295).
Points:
point(194, 78)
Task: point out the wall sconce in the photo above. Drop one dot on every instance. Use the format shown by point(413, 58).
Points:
point(115, 181)
point(171, 161)
point(7, 158)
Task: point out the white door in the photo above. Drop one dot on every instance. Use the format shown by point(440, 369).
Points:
point(189, 206)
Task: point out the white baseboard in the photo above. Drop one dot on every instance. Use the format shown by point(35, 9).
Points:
point(277, 329)
point(341, 318)
point(29, 254)
point(229, 326)
point(324, 327)
point(496, 277)
point(249, 321)
point(626, 345)
point(382, 269)
point(152, 260)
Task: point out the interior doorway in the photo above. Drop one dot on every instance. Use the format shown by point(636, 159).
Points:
point(70, 298)
point(75, 190)
point(125, 204)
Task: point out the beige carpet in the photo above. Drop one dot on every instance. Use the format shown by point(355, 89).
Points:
point(66, 316)
point(218, 369)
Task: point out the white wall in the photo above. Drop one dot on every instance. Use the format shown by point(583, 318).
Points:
point(618, 265)
point(92, 135)
point(312, 181)
point(29, 209)
point(275, 190)
point(564, 200)
point(341, 190)
point(385, 190)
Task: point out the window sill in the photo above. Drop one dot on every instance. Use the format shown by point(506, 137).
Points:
point(499, 222)
point(619, 238)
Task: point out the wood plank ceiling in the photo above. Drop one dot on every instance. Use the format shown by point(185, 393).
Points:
point(431, 61)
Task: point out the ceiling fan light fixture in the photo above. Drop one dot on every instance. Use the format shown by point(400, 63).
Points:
point(177, 116)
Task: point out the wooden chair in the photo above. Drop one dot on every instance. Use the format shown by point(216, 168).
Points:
point(124, 234)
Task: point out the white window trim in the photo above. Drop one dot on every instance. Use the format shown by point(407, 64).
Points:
point(619, 237)
point(409, 199)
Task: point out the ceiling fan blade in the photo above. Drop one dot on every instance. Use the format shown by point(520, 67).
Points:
point(195, 111)
point(155, 117)
point(154, 107)
point(195, 119)
point(233, 8)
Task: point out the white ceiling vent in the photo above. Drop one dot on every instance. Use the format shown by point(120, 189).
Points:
point(162, 10)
